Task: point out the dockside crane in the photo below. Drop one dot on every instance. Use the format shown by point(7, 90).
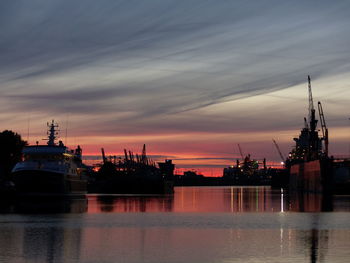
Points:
point(313, 146)
point(279, 151)
point(131, 157)
point(126, 157)
point(144, 159)
point(311, 104)
point(103, 155)
point(323, 128)
point(306, 125)
point(240, 151)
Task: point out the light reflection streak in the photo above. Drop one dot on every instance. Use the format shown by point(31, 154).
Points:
point(282, 201)
point(231, 195)
point(241, 199)
point(281, 241)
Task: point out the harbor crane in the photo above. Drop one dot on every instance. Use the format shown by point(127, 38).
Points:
point(323, 128)
point(279, 151)
point(311, 102)
point(103, 155)
point(306, 125)
point(313, 146)
point(240, 151)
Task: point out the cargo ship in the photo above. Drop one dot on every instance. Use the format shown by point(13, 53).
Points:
point(51, 170)
point(309, 165)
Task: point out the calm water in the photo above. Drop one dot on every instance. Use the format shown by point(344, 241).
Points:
point(197, 224)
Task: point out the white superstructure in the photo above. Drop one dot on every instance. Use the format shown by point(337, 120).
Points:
point(52, 164)
point(52, 157)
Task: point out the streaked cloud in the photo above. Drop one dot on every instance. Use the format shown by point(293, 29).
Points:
point(164, 66)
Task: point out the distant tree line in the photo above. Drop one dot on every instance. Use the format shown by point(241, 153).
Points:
point(11, 145)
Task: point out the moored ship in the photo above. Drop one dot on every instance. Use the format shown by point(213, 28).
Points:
point(248, 172)
point(51, 169)
point(134, 174)
point(309, 164)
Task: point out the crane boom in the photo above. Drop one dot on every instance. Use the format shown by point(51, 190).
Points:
point(311, 101)
point(323, 127)
point(103, 155)
point(126, 156)
point(306, 125)
point(144, 155)
point(279, 151)
point(240, 151)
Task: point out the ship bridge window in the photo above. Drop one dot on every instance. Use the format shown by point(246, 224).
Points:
point(39, 157)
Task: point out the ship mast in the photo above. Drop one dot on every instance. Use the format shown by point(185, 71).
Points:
point(52, 133)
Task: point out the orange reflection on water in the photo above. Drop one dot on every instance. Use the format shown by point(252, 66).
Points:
point(192, 199)
point(123, 204)
point(224, 199)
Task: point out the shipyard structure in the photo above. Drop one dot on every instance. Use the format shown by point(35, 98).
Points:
point(55, 170)
point(248, 171)
point(311, 169)
point(133, 174)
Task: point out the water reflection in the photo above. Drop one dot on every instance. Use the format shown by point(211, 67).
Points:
point(193, 199)
point(44, 205)
point(123, 204)
point(30, 239)
point(226, 199)
point(196, 224)
point(52, 244)
point(186, 199)
point(311, 202)
point(253, 199)
point(315, 240)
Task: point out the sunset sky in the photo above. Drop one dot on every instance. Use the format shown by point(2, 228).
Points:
point(190, 79)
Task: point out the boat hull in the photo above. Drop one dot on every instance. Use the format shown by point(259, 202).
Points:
point(47, 183)
point(313, 176)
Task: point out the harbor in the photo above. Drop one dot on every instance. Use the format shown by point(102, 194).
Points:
point(174, 131)
point(302, 207)
point(53, 169)
point(128, 206)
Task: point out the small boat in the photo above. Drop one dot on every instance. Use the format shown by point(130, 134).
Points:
point(51, 169)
